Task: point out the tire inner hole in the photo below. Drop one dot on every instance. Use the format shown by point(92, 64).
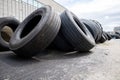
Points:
point(79, 24)
point(30, 25)
point(6, 33)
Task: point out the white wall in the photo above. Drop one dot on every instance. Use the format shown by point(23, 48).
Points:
point(20, 9)
point(54, 4)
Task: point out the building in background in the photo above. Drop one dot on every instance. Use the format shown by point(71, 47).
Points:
point(22, 8)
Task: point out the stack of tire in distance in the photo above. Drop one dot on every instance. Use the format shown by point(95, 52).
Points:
point(96, 30)
point(116, 35)
point(44, 29)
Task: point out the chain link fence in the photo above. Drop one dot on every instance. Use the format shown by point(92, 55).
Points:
point(18, 8)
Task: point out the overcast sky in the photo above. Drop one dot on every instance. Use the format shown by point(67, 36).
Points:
point(107, 12)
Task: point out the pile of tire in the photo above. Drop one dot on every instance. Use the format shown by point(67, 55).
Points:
point(105, 37)
point(116, 35)
point(94, 27)
point(44, 28)
point(96, 30)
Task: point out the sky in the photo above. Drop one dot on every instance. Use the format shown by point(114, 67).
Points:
point(107, 12)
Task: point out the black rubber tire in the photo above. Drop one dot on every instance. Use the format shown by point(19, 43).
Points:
point(76, 32)
point(109, 36)
point(94, 27)
point(117, 35)
point(102, 39)
point(36, 32)
point(91, 27)
point(105, 35)
point(99, 29)
point(13, 24)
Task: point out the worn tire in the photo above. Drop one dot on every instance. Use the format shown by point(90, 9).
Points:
point(102, 39)
point(106, 37)
point(6, 32)
point(91, 27)
point(36, 32)
point(76, 32)
point(94, 27)
point(99, 29)
point(109, 36)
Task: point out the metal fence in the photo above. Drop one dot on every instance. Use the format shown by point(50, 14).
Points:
point(18, 8)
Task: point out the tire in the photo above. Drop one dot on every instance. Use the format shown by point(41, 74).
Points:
point(91, 27)
point(6, 32)
point(102, 39)
point(105, 35)
point(115, 36)
point(99, 29)
point(109, 36)
point(60, 43)
point(36, 32)
point(76, 32)
point(94, 27)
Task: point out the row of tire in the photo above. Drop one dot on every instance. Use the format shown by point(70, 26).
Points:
point(45, 29)
point(116, 35)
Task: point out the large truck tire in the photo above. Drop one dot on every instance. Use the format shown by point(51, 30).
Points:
point(76, 32)
point(36, 32)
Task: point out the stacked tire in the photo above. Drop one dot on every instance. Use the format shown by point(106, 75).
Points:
point(105, 37)
point(94, 27)
point(7, 26)
point(96, 30)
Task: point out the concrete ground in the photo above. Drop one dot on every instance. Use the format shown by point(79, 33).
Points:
point(101, 63)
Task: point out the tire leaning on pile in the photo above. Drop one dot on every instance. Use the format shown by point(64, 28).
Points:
point(94, 27)
point(103, 38)
point(109, 36)
point(91, 27)
point(36, 32)
point(76, 32)
point(7, 27)
point(99, 29)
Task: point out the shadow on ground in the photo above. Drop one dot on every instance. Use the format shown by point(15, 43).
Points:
point(11, 59)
